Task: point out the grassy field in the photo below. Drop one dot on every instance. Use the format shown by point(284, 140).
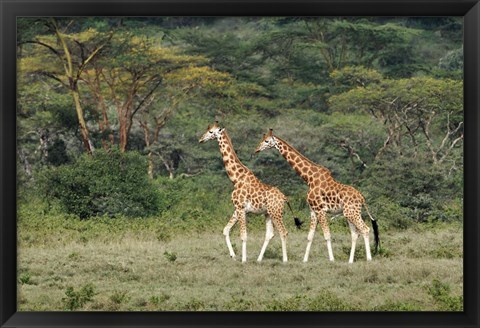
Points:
point(141, 265)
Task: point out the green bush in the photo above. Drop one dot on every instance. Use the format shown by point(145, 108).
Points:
point(77, 299)
point(440, 292)
point(112, 184)
point(410, 189)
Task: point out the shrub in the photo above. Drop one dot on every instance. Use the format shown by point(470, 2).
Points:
point(111, 184)
point(77, 299)
point(25, 278)
point(411, 190)
point(440, 292)
point(171, 257)
point(119, 297)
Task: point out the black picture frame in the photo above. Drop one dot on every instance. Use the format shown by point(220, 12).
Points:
point(469, 9)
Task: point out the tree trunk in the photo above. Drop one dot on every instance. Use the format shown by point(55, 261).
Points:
point(87, 144)
point(26, 164)
point(123, 132)
point(151, 164)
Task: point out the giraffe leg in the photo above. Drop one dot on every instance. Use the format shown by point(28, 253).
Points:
point(354, 233)
point(268, 235)
point(354, 216)
point(322, 218)
point(226, 233)
point(367, 246)
point(311, 233)
point(243, 233)
point(278, 222)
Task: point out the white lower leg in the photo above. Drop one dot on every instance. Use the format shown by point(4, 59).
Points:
point(226, 232)
point(330, 251)
point(284, 249)
point(268, 236)
point(352, 250)
point(311, 233)
point(367, 247)
point(264, 247)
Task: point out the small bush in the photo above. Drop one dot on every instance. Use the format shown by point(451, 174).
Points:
point(24, 278)
point(119, 297)
point(112, 184)
point(441, 294)
point(159, 299)
point(397, 306)
point(171, 257)
point(77, 299)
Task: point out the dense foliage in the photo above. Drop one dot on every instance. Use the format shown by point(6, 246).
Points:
point(110, 184)
point(110, 111)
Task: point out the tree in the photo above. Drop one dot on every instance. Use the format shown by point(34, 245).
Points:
point(420, 112)
point(130, 78)
point(181, 84)
point(64, 59)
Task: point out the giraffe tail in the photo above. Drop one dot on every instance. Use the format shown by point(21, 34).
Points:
point(298, 222)
point(375, 230)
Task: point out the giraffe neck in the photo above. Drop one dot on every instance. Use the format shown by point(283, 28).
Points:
point(307, 169)
point(235, 169)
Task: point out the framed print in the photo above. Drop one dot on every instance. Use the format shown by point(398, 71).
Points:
point(238, 163)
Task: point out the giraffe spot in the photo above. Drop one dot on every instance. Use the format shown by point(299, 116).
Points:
point(323, 184)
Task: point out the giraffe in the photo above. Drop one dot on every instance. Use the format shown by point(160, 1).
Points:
point(325, 194)
point(250, 195)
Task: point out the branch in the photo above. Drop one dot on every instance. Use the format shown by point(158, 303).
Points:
point(93, 54)
point(68, 71)
point(42, 44)
point(352, 152)
point(149, 94)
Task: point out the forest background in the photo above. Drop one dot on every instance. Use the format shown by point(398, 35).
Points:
point(120, 208)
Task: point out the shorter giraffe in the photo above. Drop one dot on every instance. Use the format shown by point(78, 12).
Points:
point(250, 195)
point(325, 194)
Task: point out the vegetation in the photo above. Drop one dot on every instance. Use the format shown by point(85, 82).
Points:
point(113, 185)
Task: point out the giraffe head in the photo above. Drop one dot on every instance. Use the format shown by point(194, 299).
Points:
point(268, 141)
point(213, 132)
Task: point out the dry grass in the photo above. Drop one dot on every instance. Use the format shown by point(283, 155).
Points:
point(418, 269)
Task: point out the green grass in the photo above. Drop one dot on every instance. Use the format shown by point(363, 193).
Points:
point(127, 265)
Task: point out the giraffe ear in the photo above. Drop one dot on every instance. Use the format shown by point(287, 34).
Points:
point(208, 127)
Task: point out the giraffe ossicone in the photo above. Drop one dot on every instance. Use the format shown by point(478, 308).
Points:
point(249, 195)
point(325, 194)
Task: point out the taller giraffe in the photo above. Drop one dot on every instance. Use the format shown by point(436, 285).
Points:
point(249, 195)
point(325, 194)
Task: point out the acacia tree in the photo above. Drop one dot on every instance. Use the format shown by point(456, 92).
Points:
point(130, 77)
point(63, 57)
point(419, 114)
point(187, 83)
